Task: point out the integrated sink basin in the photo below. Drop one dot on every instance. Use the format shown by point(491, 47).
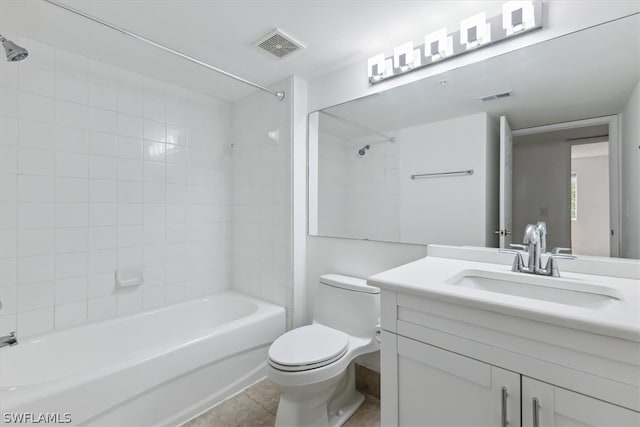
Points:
point(544, 288)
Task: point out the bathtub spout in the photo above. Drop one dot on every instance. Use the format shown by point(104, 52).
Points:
point(9, 340)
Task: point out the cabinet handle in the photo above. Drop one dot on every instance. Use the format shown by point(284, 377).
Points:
point(536, 412)
point(503, 417)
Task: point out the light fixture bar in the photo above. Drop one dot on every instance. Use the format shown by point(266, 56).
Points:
point(278, 94)
point(359, 126)
point(475, 32)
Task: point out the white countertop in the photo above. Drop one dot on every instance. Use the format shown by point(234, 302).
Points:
point(427, 277)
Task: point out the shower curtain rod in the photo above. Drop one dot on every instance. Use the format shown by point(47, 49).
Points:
point(278, 94)
point(359, 126)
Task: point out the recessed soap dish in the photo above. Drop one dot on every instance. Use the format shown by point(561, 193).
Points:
point(129, 277)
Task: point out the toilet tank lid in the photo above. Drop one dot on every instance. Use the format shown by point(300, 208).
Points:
point(349, 283)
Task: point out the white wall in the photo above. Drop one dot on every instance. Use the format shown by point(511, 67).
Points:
point(372, 196)
point(332, 192)
point(590, 232)
point(262, 198)
point(542, 189)
point(358, 195)
point(299, 199)
point(372, 189)
point(102, 169)
point(444, 210)
point(630, 177)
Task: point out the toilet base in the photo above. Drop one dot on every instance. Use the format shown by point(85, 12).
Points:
point(342, 415)
point(327, 404)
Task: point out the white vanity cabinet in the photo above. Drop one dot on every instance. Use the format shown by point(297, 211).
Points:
point(435, 387)
point(467, 342)
point(426, 386)
point(550, 406)
point(451, 361)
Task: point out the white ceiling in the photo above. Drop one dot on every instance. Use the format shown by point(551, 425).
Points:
point(335, 33)
point(586, 74)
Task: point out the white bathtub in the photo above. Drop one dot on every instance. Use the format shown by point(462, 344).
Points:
point(155, 368)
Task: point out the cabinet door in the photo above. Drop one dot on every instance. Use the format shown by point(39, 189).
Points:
point(440, 388)
point(563, 408)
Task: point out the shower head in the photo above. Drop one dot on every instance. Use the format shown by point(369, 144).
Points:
point(363, 150)
point(15, 53)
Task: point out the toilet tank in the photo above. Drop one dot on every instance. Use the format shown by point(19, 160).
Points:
point(347, 304)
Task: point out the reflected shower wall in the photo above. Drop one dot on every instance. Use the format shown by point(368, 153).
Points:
point(373, 196)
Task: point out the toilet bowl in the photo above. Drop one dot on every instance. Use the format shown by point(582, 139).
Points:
point(313, 366)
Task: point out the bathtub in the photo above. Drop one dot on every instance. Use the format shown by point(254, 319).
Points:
point(160, 367)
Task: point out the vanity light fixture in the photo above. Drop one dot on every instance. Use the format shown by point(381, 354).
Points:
point(404, 57)
point(438, 45)
point(518, 17)
point(475, 31)
point(377, 68)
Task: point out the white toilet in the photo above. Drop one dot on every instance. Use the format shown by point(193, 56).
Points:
point(313, 366)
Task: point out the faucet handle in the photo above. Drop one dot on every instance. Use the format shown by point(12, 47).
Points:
point(518, 246)
point(558, 251)
point(518, 262)
point(562, 256)
point(552, 265)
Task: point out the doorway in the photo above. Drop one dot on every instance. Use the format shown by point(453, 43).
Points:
point(565, 174)
point(589, 210)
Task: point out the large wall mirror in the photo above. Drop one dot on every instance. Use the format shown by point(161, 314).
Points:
point(469, 157)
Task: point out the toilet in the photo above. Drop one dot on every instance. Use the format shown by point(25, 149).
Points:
point(313, 366)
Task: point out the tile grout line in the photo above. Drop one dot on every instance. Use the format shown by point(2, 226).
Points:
point(260, 404)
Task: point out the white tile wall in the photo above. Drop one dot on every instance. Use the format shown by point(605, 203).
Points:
point(332, 191)
point(373, 190)
point(103, 168)
point(358, 196)
point(382, 203)
point(262, 207)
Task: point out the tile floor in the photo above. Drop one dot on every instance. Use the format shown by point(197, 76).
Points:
point(257, 406)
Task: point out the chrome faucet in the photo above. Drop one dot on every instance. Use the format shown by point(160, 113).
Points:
point(535, 242)
point(542, 230)
point(9, 340)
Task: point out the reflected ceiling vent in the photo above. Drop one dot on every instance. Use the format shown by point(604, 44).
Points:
point(496, 96)
point(279, 44)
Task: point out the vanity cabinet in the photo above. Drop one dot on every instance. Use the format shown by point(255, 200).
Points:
point(440, 388)
point(549, 406)
point(445, 364)
point(435, 387)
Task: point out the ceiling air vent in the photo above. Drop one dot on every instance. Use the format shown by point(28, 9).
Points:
point(495, 96)
point(279, 44)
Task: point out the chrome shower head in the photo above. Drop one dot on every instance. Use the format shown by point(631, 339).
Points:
point(15, 53)
point(363, 150)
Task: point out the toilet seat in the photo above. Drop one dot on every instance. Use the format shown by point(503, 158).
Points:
point(308, 347)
